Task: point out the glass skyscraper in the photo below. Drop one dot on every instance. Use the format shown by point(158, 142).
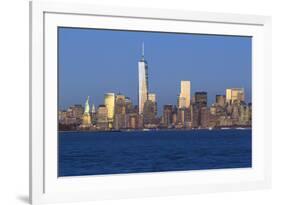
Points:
point(143, 82)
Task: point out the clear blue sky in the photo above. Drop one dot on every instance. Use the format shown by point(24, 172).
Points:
point(93, 62)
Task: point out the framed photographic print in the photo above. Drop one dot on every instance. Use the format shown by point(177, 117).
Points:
point(129, 102)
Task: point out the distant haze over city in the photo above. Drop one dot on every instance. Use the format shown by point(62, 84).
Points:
point(94, 62)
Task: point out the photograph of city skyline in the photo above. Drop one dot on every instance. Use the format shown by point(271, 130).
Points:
point(134, 101)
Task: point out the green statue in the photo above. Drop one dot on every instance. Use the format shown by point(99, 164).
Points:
point(87, 106)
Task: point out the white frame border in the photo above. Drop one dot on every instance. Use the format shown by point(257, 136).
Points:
point(37, 171)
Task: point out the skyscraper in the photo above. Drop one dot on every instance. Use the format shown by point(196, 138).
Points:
point(93, 114)
point(181, 102)
point(152, 98)
point(149, 112)
point(167, 115)
point(220, 100)
point(201, 99)
point(129, 105)
point(235, 94)
point(93, 108)
point(184, 97)
point(200, 105)
point(204, 117)
point(109, 102)
point(120, 112)
point(143, 82)
point(120, 104)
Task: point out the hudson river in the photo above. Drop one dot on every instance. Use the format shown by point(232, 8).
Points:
point(92, 153)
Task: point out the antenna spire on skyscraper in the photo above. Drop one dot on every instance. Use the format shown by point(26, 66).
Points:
point(142, 49)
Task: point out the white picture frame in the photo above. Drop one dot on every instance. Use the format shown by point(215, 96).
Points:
point(46, 187)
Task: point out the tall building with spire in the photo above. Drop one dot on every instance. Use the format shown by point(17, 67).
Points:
point(94, 114)
point(93, 108)
point(143, 82)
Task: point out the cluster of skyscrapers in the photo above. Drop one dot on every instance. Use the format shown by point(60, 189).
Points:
point(119, 113)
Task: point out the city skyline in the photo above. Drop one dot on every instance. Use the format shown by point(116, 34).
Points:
point(164, 94)
point(119, 113)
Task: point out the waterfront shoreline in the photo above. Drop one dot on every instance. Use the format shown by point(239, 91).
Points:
point(160, 130)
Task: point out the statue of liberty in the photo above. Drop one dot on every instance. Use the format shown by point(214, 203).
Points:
point(87, 106)
point(86, 121)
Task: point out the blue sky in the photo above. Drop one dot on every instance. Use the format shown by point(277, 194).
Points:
point(93, 62)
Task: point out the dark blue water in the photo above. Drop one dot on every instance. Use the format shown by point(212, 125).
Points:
point(91, 153)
